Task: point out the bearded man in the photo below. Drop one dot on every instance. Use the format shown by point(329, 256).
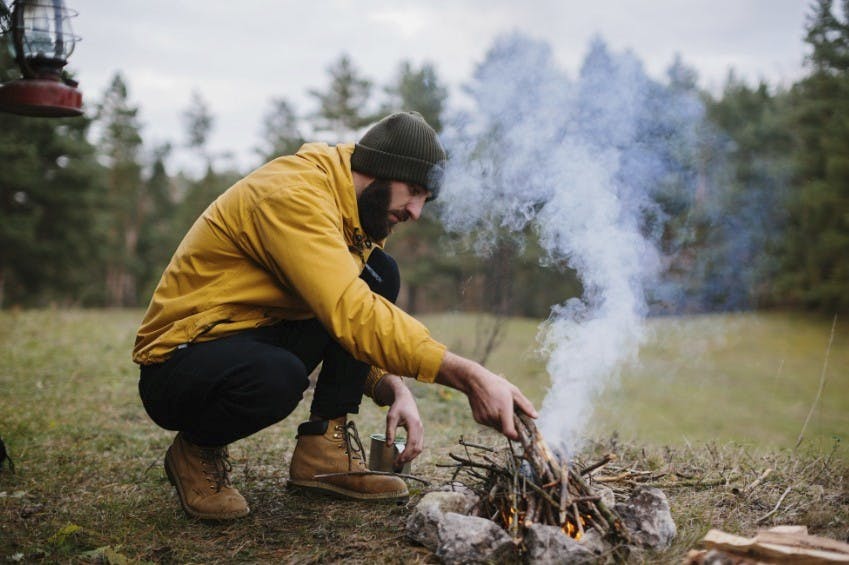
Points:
point(286, 270)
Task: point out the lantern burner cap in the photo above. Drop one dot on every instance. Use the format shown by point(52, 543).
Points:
point(41, 98)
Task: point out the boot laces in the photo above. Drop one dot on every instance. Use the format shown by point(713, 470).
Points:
point(353, 446)
point(216, 466)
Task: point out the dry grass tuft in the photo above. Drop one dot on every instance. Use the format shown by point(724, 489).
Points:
point(734, 488)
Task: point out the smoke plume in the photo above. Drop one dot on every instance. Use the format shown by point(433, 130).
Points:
point(584, 163)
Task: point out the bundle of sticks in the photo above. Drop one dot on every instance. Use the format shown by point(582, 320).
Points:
point(526, 483)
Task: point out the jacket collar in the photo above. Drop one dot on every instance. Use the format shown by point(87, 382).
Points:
point(336, 163)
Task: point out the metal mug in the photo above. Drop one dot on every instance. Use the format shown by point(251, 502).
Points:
point(381, 457)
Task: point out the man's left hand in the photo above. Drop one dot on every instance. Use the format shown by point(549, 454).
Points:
point(403, 413)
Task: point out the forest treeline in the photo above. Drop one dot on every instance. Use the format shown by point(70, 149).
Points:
point(755, 216)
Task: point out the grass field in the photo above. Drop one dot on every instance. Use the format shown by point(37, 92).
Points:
point(749, 378)
point(720, 397)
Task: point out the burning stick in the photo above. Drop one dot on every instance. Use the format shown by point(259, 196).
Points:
point(530, 512)
point(578, 521)
point(564, 491)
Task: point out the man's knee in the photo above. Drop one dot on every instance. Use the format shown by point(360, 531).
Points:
point(382, 275)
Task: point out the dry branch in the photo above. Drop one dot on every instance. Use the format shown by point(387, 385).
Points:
point(777, 506)
point(598, 464)
point(356, 473)
point(821, 386)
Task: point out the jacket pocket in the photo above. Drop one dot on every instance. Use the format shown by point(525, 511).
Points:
point(204, 322)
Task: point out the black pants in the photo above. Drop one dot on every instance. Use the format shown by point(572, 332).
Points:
point(219, 391)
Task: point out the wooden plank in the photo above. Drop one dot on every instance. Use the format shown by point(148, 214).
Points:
point(781, 547)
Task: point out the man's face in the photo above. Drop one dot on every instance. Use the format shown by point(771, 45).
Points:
point(383, 204)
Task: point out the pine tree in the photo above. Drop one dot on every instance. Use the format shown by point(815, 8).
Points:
point(343, 107)
point(281, 132)
point(199, 122)
point(158, 237)
point(120, 147)
point(50, 194)
point(815, 253)
point(198, 193)
point(743, 221)
point(419, 90)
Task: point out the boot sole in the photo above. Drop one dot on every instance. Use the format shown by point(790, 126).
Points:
point(191, 511)
point(324, 488)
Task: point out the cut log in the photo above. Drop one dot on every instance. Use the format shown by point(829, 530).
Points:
point(783, 544)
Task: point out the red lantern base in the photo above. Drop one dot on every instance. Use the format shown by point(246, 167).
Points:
point(40, 98)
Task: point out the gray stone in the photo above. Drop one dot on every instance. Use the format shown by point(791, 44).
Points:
point(549, 545)
point(471, 539)
point(593, 541)
point(461, 488)
point(647, 517)
point(608, 497)
point(423, 521)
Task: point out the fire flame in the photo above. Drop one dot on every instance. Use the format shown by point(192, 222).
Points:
point(572, 530)
point(511, 514)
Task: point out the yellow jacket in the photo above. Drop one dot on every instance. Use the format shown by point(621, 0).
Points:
point(284, 243)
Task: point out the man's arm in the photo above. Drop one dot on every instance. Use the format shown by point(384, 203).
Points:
point(298, 234)
point(491, 396)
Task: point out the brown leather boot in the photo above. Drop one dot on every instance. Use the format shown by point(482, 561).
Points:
point(332, 446)
point(200, 475)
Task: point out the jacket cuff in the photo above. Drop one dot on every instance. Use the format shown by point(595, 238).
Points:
point(375, 375)
point(432, 354)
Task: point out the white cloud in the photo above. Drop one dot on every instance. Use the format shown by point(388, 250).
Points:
point(407, 22)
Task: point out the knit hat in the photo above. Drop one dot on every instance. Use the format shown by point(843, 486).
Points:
point(401, 146)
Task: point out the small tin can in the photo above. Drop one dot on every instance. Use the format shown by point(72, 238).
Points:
point(382, 457)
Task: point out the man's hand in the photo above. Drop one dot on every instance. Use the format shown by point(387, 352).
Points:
point(403, 413)
point(491, 397)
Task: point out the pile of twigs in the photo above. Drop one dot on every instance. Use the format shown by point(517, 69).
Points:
point(526, 484)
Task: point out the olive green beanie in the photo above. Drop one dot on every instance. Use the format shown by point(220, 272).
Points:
point(401, 146)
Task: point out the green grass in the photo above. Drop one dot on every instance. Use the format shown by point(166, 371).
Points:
point(726, 394)
point(749, 378)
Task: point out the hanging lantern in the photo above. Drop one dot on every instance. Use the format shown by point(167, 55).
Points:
point(42, 40)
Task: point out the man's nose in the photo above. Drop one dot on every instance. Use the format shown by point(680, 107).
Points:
point(415, 207)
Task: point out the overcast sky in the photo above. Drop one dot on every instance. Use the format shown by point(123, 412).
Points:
point(240, 54)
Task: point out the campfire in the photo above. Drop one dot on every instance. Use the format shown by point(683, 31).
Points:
point(526, 484)
point(524, 501)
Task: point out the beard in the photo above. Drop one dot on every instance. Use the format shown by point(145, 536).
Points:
point(373, 208)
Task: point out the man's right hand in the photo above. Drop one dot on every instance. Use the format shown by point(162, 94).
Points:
point(491, 397)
